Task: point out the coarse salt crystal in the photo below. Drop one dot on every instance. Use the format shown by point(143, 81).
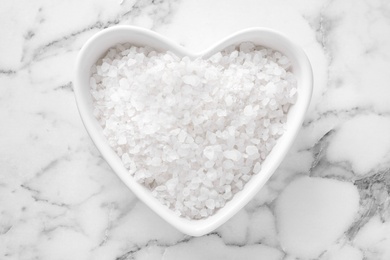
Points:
point(248, 110)
point(228, 164)
point(251, 150)
point(209, 152)
point(105, 66)
point(234, 154)
point(229, 100)
point(210, 204)
point(182, 136)
point(122, 140)
point(191, 80)
point(257, 167)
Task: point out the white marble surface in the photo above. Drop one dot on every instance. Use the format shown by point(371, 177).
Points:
point(328, 200)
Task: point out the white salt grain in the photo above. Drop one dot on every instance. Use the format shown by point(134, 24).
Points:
point(192, 131)
point(182, 136)
point(232, 154)
point(209, 153)
point(251, 150)
point(212, 175)
point(210, 204)
point(229, 100)
point(105, 66)
point(257, 168)
point(228, 164)
point(191, 80)
point(248, 110)
point(122, 140)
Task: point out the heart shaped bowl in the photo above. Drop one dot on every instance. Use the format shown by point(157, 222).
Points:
point(98, 45)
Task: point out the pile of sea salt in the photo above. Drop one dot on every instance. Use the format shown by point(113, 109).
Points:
point(193, 131)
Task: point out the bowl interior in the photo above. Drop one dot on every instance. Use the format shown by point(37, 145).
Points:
point(98, 45)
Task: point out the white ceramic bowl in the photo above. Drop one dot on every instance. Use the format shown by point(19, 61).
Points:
point(97, 46)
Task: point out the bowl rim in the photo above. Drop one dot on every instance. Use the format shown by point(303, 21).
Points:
point(203, 226)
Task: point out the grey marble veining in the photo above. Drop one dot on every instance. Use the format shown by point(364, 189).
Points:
point(329, 199)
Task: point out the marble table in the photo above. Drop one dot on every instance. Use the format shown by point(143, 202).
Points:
point(329, 199)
